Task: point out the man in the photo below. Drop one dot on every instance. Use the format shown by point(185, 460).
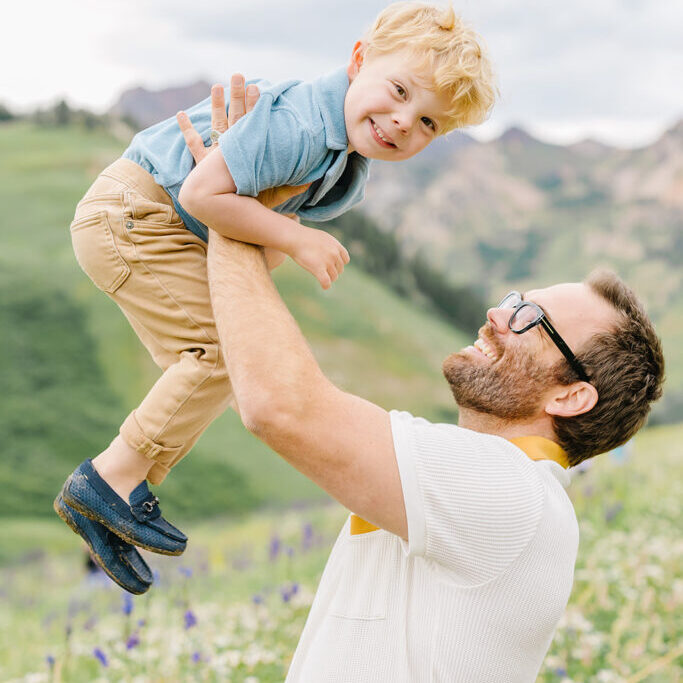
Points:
point(457, 560)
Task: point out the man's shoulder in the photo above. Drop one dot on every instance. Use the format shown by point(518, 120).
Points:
point(404, 422)
point(458, 449)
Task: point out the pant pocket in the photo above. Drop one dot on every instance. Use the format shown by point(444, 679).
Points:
point(147, 210)
point(96, 252)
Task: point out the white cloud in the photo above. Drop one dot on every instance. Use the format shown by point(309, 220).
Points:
point(608, 68)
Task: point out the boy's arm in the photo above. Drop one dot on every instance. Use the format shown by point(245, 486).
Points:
point(208, 193)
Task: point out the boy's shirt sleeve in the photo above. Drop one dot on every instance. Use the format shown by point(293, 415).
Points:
point(268, 147)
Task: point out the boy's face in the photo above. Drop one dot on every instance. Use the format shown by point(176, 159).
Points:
point(389, 112)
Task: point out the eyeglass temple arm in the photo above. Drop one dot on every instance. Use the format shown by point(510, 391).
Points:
point(565, 350)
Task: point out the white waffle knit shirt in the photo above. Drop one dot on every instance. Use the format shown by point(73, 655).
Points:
point(474, 596)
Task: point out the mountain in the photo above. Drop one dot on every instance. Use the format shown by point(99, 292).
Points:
point(516, 209)
point(146, 107)
point(519, 212)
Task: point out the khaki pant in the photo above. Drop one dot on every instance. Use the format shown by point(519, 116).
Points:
point(132, 244)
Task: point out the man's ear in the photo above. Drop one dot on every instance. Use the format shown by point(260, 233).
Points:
point(572, 399)
point(357, 57)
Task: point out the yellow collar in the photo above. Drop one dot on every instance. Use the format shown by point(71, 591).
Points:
point(536, 447)
point(540, 448)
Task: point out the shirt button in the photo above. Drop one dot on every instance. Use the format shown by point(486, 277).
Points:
point(129, 224)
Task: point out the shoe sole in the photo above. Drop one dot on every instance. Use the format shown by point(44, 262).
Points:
point(96, 556)
point(86, 512)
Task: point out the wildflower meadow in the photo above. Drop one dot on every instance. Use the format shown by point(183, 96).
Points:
point(233, 606)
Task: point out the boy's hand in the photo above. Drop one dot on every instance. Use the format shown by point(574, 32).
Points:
point(320, 254)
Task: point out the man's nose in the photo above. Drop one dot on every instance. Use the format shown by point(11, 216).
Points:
point(499, 319)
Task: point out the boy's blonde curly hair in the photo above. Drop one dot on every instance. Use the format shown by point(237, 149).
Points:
point(447, 51)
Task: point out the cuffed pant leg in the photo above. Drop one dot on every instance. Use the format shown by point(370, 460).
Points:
point(131, 242)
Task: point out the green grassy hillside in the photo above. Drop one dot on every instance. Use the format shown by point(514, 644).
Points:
point(77, 368)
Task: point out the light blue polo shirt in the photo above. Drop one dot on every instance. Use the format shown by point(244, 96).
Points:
point(294, 135)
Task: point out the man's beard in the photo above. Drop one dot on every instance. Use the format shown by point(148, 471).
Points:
point(511, 388)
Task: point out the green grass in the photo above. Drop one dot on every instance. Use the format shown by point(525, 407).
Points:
point(367, 339)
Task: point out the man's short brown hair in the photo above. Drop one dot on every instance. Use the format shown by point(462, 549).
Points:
point(625, 365)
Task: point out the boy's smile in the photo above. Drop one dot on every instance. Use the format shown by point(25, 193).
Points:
point(389, 111)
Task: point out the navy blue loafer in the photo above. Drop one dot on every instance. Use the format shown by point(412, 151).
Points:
point(119, 560)
point(139, 523)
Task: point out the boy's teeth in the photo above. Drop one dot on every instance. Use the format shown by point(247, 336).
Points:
point(379, 132)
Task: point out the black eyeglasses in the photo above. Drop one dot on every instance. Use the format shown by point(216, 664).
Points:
point(527, 314)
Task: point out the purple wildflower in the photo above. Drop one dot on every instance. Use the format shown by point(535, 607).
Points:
point(196, 657)
point(186, 572)
point(141, 622)
point(127, 606)
point(275, 547)
point(50, 660)
point(287, 592)
point(132, 642)
point(190, 619)
point(257, 599)
point(307, 536)
point(100, 656)
point(612, 511)
point(560, 672)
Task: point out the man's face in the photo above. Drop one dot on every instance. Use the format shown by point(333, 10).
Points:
point(510, 376)
point(390, 112)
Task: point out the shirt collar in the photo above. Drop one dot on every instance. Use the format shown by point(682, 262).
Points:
point(329, 93)
point(540, 448)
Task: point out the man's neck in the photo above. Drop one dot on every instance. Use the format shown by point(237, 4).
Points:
point(508, 429)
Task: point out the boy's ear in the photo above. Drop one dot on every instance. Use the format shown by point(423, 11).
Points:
point(357, 57)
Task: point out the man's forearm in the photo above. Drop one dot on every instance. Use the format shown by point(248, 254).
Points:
point(271, 366)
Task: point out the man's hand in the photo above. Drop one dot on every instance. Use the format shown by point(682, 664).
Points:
point(242, 101)
point(320, 254)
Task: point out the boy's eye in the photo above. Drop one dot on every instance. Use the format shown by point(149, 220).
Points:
point(429, 123)
point(400, 90)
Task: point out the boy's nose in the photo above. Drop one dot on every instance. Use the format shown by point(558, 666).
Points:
point(403, 121)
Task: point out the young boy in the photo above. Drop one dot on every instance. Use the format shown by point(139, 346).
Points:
point(140, 234)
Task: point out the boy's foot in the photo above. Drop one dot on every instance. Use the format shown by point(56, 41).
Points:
point(139, 523)
point(120, 560)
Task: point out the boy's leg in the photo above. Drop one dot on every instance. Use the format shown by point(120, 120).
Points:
point(130, 241)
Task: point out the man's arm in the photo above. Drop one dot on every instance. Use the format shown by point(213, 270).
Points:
point(340, 441)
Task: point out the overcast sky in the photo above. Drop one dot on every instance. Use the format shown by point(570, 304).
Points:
point(608, 69)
